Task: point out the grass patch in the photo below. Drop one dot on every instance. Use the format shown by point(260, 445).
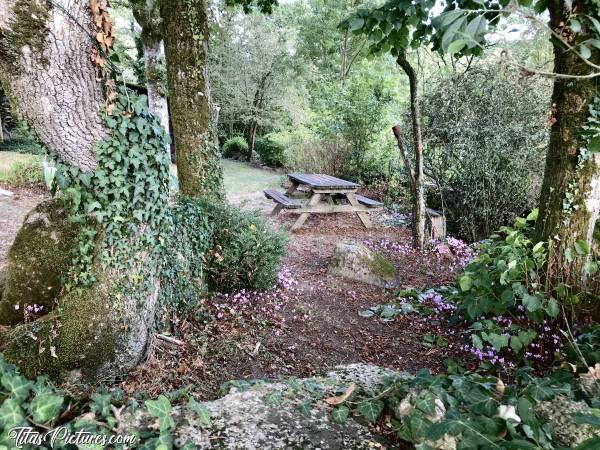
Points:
point(20, 168)
point(241, 177)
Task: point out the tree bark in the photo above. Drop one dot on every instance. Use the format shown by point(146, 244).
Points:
point(46, 61)
point(419, 189)
point(186, 32)
point(148, 17)
point(38, 44)
point(570, 197)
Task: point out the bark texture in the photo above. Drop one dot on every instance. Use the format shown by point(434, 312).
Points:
point(570, 197)
point(185, 32)
point(147, 15)
point(94, 333)
point(419, 185)
point(45, 64)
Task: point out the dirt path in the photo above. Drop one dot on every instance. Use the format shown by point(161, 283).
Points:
point(310, 323)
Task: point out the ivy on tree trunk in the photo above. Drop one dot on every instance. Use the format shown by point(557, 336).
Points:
point(570, 197)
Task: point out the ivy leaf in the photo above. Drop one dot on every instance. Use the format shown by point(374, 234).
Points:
point(161, 408)
point(356, 23)
point(582, 248)
point(575, 26)
point(594, 143)
point(465, 282)
point(45, 408)
point(553, 309)
point(340, 414)
point(202, 411)
point(11, 414)
point(370, 409)
point(533, 215)
point(17, 386)
point(532, 302)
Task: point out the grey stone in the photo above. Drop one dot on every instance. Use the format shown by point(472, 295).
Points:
point(353, 260)
point(4, 192)
point(566, 432)
point(269, 416)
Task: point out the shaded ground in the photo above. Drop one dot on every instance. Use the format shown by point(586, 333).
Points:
point(309, 323)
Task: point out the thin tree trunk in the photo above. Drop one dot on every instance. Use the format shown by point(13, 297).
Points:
point(251, 138)
point(185, 33)
point(404, 155)
point(147, 16)
point(570, 197)
point(415, 113)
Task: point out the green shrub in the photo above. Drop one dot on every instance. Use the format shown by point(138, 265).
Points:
point(235, 148)
point(244, 252)
point(485, 135)
point(271, 152)
point(182, 277)
point(214, 246)
point(24, 172)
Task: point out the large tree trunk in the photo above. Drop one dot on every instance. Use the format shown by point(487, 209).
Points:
point(419, 186)
point(97, 331)
point(570, 198)
point(185, 32)
point(148, 17)
point(46, 66)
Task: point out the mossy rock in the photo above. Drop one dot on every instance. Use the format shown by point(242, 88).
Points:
point(355, 261)
point(38, 261)
point(71, 343)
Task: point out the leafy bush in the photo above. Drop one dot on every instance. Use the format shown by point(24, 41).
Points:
point(182, 276)
point(502, 294)
point(244, 251)
point(486, 136)
point(214, 246)
point(235, 148)
point(24, 172)
point(271, 152)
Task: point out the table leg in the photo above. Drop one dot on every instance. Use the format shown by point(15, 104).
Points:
point(316, 198)
point(361, 215)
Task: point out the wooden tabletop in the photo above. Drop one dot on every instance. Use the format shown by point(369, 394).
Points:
point(320, 181)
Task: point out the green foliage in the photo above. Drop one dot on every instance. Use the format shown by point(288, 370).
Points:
point(245, 252)
point(486, 135)
point(235, 148)
point(507, 273)
point(125, 197)
point(182, 276)
point(23, 140)
point(354, 112)
point(468, 410)
point(271, 152)
point(218, 247)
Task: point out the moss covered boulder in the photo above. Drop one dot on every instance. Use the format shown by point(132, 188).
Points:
point(38, 261)
point(353, 260)
point(70, 344)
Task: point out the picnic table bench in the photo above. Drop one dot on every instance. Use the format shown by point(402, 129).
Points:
point(327, 195)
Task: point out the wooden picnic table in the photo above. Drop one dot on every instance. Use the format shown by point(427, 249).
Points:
point(326, 196)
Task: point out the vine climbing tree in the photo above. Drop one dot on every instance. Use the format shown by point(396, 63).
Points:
point(82, 285)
